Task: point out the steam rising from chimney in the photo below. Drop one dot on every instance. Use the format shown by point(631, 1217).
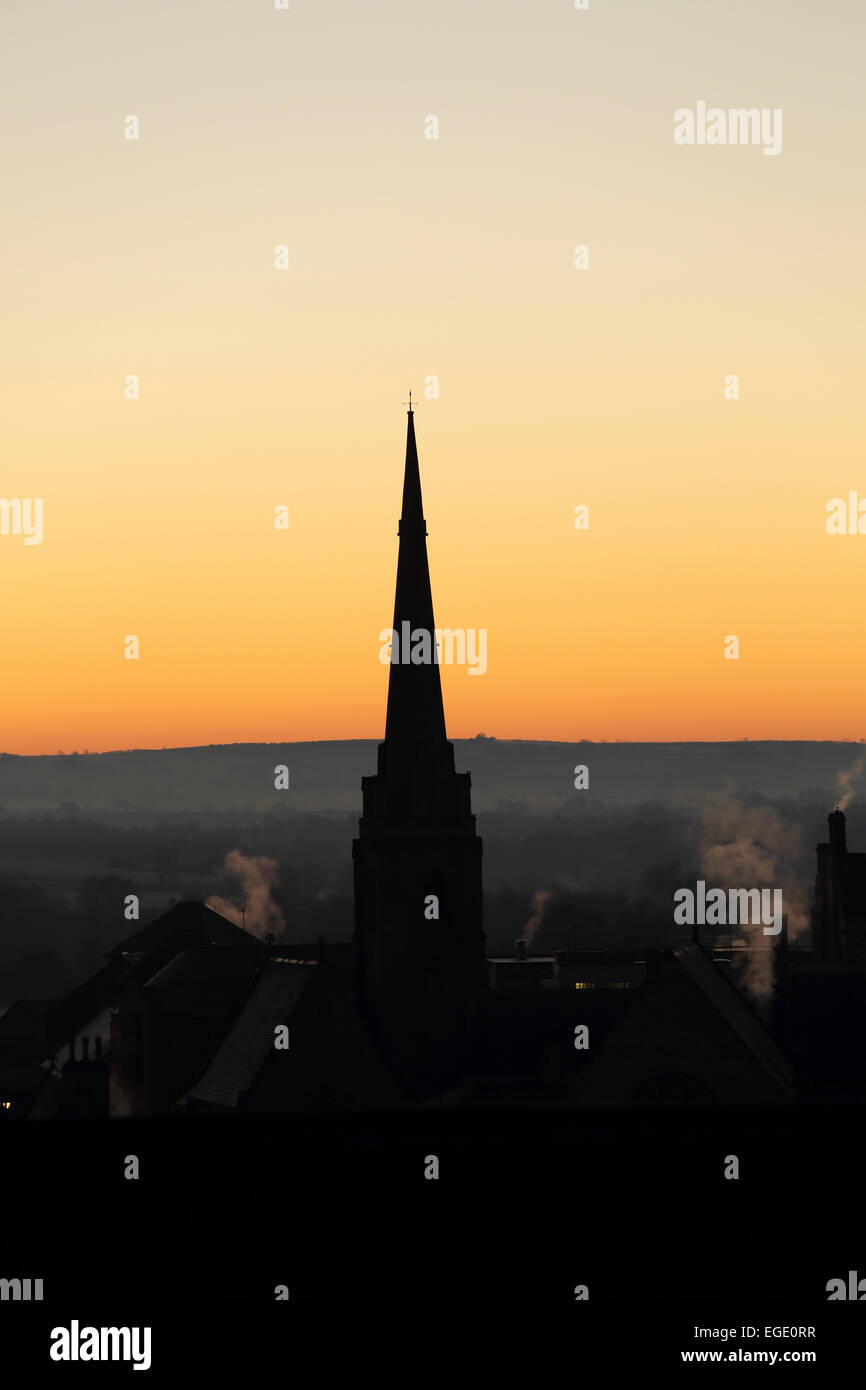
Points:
point(845, 781)
point(540, 902)
point(753, 847)
point(258, 875)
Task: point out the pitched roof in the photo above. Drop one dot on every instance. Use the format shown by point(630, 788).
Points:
point(727, 999)
point(192, 917)
point(238, 1058)
point(202, 981)
point(84, 1003)
point(151, 947)
point(688, 1037)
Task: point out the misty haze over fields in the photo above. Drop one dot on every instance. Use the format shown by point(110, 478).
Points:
point(570, 867)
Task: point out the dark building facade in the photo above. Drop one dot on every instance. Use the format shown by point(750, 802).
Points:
point(839, 915)
point(419, 938)
point(825, 991)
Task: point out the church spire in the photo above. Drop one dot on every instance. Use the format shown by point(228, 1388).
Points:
point(415, 721)
point(413, 509)
point(418, 976)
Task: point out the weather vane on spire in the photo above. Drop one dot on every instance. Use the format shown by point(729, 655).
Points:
point(409, 402)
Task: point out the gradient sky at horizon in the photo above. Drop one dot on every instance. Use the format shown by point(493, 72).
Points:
point(410, 258)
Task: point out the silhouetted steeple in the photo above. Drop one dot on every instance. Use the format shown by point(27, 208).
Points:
point(419, 938)
point(413, 509)
point(415, 720)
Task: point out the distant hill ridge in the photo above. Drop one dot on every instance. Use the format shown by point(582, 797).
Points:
point(325, 776)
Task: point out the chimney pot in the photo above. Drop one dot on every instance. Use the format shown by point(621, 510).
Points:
point(836, 822)
point(520, 949)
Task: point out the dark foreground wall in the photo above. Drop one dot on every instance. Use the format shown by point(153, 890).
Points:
point(633, 1206)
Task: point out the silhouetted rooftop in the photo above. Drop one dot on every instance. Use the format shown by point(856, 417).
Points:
point(191, 917)
point(250, 1039)
point(737, 1013)
point(203, 981)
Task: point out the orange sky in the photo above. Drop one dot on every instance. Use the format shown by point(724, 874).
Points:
point(410, 258)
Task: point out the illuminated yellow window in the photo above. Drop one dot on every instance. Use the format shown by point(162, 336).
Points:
point(584, 984)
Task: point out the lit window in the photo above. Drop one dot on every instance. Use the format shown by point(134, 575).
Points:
point(584, 984)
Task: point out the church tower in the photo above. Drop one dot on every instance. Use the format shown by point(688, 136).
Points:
point(419, 941)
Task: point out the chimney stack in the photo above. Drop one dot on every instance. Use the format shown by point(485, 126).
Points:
point(520, 949)
point(836, 822)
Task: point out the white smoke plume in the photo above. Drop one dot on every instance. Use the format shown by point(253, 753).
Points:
point(753, 847)
point(541, 901)
point(258, 875)
point(846, 781)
